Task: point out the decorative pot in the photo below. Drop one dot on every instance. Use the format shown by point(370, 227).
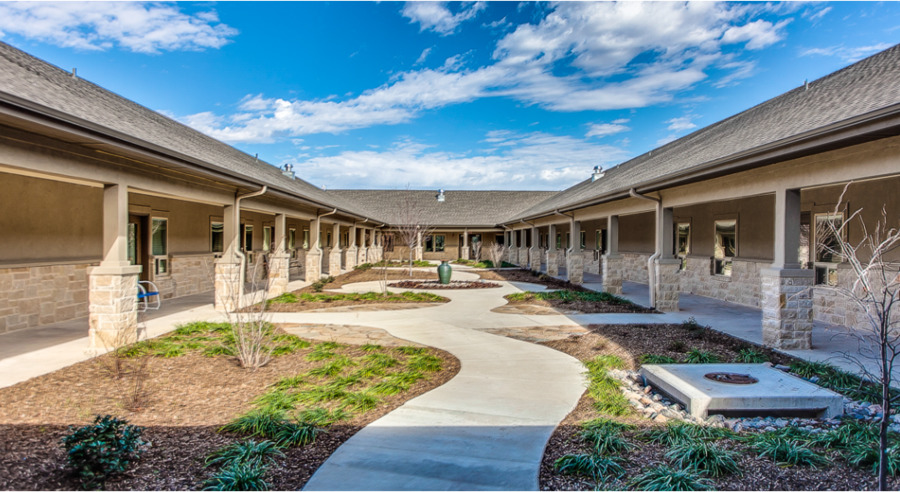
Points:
point(444, 271)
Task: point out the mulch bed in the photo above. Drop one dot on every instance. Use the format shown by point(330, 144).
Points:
point(579, 306)
point(373, 305)
point(522, 275)
point(454, 284)
point(188, 398)
point(375, 274)
point(631, 341)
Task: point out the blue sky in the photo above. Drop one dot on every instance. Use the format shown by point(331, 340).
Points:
point(496, 95)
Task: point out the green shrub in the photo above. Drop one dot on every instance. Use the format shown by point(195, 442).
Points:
point(407, 350)
point(703, 457)
point(785, 451)
point(320, 284)
point(333, 367)
point(696, 356)
point(360, 401)
point(286, 298)
point(866, 455)
point(675, 433)
point(249, 452)
point(751, 356)
point(297, 434)
point(363, 266)
point(599, 468)
point(656, 359)
point(605, 390)
point(666, 478)
point(257, 423)
point(849, 434)
point(237, 477)
point(424, 363)
point(379, 361)
point(605, 439)
point(370, 347)
point(691, 324)
point(322, 417)
point(677, 346)
point(98, 451)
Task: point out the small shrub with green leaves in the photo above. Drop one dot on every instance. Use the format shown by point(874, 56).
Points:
point(321, 417)
point(867, 455)
point(667, 478)
point(751, 356)
point(257, 423)
point(656, 359)
point(297, 434)
point(107, 447)
point(238, 477)
point(320, 284)
point(704, 457)
point(849, 434)
point(677, 346)
point(691, 324)
point(697, 356)
point(605, 439)
point(785, 451)
point(600, 468)
point(249, 452)
point(675, 433)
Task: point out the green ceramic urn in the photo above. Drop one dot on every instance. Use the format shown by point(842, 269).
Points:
point(444, 272)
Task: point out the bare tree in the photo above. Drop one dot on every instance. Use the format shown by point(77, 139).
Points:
point(249, 318)
point(477, 247)
point(874, 293)
point(495, 254)
point(411, 224)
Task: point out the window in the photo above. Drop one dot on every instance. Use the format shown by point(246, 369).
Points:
point(267, 238)
point(132, 243)
point(601, 241)
point(292, 238)
point(216, 237)
point(388, 243)
point(568, 239)
point(725, 247)
point(247, 236)
point(828, 248)
point(328, 240)
point(305, 238)
point(583, 240)
point(434, 244)
point(682, 242)
point(558, 241)
point(500, 239)
point(159, 239)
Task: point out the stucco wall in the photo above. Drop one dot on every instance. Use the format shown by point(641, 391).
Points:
point(755, 221)
point(636, 233)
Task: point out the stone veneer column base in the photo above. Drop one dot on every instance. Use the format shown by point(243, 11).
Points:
point(667, 284)
point(279, 272)
point(613, 272)
point(379, 253)
point(464, 252)
point(787, 308)
point(112, 296)
point(361, 256)
point(575, 267)
point(534, 259)
point(350, 256)
point(552, 263)
point(523, 257)
point(227, 284)
point(334, 262)
point(418, 253)
point(313, 265)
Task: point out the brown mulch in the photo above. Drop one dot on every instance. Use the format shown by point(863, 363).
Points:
point(373, 275)
point(454, 284)
point(187, 399)
point(580, 306)
point(370, 305)
point(522, 275)
point(631, 341)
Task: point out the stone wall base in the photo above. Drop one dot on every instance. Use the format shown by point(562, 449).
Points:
point(227, 284)
point(553, 262)
point(787, 308)
point(534, 259)
point(113, 306)
point(313, 265)
point(279, 273)
point(575, 267)
point(350, 257)
point(40, 295)
point(464, 252)
point(613, 267)
point(335, 257)
point(742, 287)
point(667, 286)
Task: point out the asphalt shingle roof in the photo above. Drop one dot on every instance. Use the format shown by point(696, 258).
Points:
point(32, 79)
point(468, 208)
point(866, 86)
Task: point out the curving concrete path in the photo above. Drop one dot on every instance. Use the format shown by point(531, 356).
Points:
point(486, 429)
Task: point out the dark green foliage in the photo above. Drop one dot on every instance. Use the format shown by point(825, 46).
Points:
point(257, 423)
point(677, 346)
point(333, 367)
point(600, 468)
point(751, 356)
point(566, 296)
point(849, 434)
point(237, 477)
point(297, 434)
point(785, 450)
point(691, 324)
point(288, 344)
point(322, 417)
point(318, 285)
point(867, 456)
point(320, 394)
point(286, 298)
point(666, 478)
point(696, 356)
point(656, 359)
point(274, 401)
point(360, 401)
point(675, 433)
point(604, 438)
point(843, 382)
point(289, 382)
point(249, 452)
point(98, 451)
point(380, 361)
point(703, 457)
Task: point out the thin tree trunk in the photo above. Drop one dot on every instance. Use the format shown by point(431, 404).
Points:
point(885, 406)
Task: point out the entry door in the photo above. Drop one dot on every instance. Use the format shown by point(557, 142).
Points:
point(137, 244)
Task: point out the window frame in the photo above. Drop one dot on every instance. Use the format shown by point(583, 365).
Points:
point(212, 235)
point(826, 271)
point(675, 243)
point(723, 267)
point(431, 243)
point(160, 259)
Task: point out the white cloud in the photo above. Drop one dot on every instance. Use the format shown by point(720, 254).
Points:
point(139, 27)
point(849, 55)
point(615, 56)
point(813, 16)
point(423, 56)
point(604, 129)
point(437, 17)
point(511, 161)
point(681, 123)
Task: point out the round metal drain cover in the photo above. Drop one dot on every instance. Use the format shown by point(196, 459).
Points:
point(731, 378)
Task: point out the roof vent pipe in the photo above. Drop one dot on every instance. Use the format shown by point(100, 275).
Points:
point(598, 173)
point(74, 73)
point(288, 170)
point(440, 196)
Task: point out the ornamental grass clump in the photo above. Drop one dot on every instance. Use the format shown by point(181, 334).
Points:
point(785, 451)
point(605, 436)
point(600, 468)
point(107, 447)
point(704, 457)
point(675, 433)
point(247, 452)
point(668, 478)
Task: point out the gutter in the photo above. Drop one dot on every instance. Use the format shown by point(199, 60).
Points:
point(319, 226)
point(651, 271)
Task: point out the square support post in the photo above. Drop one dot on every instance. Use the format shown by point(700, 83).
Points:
point(419, 248)
point(787, 302)
point(534, 255)
point(279, 259)
point(613, 262)
point(229, 288)
point(666, 266)
point(464, 247)
point(575, 258)
point(314, 255)
point(350, 255)
point(112, 296)
point(363, 252)
point(552, 253)
point(334, 257)
point(379, 245)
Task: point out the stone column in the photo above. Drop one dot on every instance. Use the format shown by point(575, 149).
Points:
point(352, 251)
point(314, 255)
point(334, 257)
point(112, 297)
point(666, 266)
point(464, 247)
point(419, 248)
point(514, 247)
point(534, 255)
point(575, 258)
point(379, 245)
point(279, 259)
point(786, 290)
point(371, 254)
point(228, 285)
point(613, 262)
point(552, 253)
point(362, 254)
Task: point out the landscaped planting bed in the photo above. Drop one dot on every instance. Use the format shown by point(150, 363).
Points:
point(453, 284)
point(372, 274)
point(192, 387)
point(304, 301)
point(482, 264)
point(577, 301)
point(606, 443)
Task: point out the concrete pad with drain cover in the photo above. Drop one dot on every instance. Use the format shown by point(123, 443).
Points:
point(741, 390)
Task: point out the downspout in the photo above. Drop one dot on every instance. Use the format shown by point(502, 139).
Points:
point(319, 225)
point(651, 271)
point(237, 228)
